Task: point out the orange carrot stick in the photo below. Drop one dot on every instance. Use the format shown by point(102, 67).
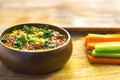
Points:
point(91, 39)
point(102, 60)
point(90, 46)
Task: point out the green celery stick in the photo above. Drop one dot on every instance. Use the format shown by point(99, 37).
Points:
point(89, 52)
point(108, 47)
point(100, 54)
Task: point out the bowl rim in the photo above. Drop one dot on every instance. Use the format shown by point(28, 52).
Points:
point(67, 41)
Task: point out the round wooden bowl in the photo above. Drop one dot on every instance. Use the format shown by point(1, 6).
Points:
point(36, 62)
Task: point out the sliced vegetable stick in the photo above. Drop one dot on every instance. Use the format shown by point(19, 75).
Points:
point(102, 39)
point(90, 46)
point(103, 60)
point(108, 47)
point(96, 38)
point(104, 54)
point(88, 52)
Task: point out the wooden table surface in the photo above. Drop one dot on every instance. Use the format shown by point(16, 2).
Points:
point(82, 13)
point(64, 13)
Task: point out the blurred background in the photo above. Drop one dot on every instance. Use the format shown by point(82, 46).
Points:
point(64, 13)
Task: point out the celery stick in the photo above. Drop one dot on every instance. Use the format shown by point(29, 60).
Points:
point(98, 54)
point(108, 47)
point(89, 52)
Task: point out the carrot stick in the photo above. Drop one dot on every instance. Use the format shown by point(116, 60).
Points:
point(90, 46)
point(97, 38)
point(102, 38)
point(103, 60)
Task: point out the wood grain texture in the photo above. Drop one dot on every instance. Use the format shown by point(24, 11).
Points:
point(82, 13)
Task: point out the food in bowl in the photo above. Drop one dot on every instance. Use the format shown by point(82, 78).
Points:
point(31, 38)
point(35, 60)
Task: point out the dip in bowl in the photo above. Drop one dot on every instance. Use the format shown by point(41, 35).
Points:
point(35, 48)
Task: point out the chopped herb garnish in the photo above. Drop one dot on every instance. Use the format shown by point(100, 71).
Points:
point(22, 39)
point(46, 27)
point(31, 41)
point(14, 29)
point(17, 44)
point(50, 44)
point(3, 40)
point(28, 29)
point(46, 32)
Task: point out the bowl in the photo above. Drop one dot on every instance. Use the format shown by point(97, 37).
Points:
point(36, 62)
